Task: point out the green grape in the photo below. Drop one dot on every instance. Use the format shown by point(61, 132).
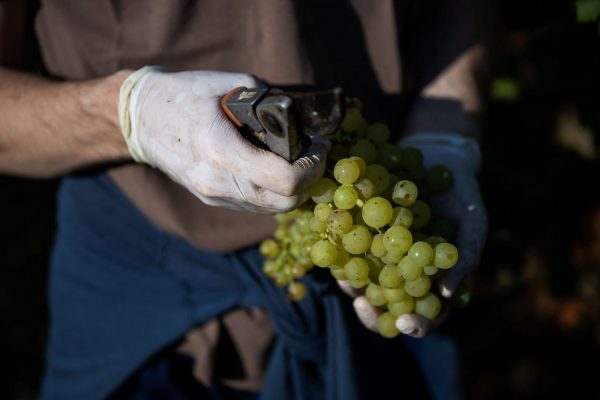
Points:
point(339, 274)
point(421, 254)
point(411, 158)
point(434, 240)
point(402, 216)
point(295, 249)
point(317, 225)
point(388, 277)
point(445, 255)
point(353, 120)
point(439, 178)
point(269, 248)
point(339, 222)
point(298, 270)
point(394, 295)
point(377, 212)
point(341, 259)
point(270, 268)
point(335, 239)
point(375, 267)
point(337, 152)
point(404, 306)
point(421, 214)
point(305, 261)
point(428, 306)
point(389, 190)
point(365, 188)
point(386, 324)
point(364, 149)
point(359, 283)
point(357, 240)
point(378, 133)
point(430, 270)
point(309, 239)
point(322, 190)
point(408, 270)
point(397, 238)
point(405, 193)
point(375, 295)
point(346, 171)
point(379, 175)
point(281, 232)
point(296, 291)
point(388, 155)
point(282, 280)
point(345, 197)
point(288, 216)
point(392, 256)
point(323, 253)
point(377, 248)
point(357, 269)
point(418, 287)
point(322, 211)
point(362, 165)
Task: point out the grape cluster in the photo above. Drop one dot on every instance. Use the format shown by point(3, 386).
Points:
point(368, 221)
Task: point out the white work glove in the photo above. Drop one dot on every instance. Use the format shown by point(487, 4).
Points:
point(173, 122)
point(462, 203)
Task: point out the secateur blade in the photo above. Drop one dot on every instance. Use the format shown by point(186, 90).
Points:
point(282, 121)
point(320, 113)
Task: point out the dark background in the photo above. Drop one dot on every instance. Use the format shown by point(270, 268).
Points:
point(532, 329)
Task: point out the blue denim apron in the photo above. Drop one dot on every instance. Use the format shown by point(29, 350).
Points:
point(121, 291)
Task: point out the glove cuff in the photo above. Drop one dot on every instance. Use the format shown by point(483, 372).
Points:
point(127, 111)
point(451, 149)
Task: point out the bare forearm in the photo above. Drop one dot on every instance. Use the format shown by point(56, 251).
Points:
point(49, 128)
point(460, 80)
point(445, 64)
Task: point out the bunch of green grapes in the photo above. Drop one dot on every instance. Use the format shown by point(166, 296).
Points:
point(368, 221)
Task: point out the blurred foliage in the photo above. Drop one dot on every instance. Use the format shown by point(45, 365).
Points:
point(534, 321)
point(588, 10)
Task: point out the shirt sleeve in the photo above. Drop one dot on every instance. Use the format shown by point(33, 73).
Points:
point(433, 36)
point(17, 44)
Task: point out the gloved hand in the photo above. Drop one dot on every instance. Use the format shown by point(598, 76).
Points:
point(462, 203)
point(173, 122)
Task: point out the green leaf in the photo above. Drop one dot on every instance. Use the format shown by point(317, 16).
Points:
point(505, 89)
point(588, 10)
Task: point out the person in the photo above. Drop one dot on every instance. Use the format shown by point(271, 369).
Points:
point(155, 288)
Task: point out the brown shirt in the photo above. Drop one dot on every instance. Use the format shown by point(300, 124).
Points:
point(276, 40)
point(82, 40)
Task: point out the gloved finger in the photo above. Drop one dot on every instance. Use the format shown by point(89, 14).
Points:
point(217, 84)
point(242, 195)
point(268, 170)
point(463, 204)
point(349, 290)
point(275, 204)
point(470, 241)
point(418, 326)
point(367, 314)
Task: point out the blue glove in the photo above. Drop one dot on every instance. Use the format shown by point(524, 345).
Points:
point(462, 203)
